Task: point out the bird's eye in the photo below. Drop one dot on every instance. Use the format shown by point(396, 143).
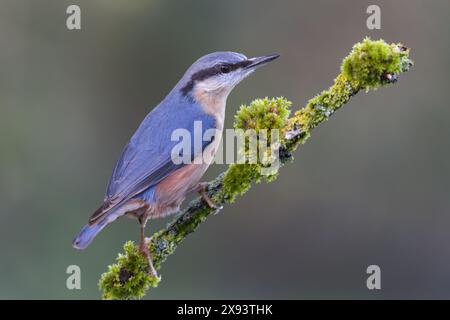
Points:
point(224, 68)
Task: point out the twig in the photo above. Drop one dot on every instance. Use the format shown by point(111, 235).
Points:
point(371, 64)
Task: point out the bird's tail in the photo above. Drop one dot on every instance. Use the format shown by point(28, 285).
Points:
point(97, 223)
point(87, 234)
point(90, 231)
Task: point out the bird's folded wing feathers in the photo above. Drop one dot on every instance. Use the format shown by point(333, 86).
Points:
point(146, 159)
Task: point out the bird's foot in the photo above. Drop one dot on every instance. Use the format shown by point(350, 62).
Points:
point(201, 188)
point(143, 248)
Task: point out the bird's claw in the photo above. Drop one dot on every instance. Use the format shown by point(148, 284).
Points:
point(143, 248)
point(201, 188)
point(211, 204)
point(216, 208)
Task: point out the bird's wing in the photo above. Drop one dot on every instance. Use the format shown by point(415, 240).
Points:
point(146, 159)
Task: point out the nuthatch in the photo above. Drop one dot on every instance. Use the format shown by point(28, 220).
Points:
point(146, 183)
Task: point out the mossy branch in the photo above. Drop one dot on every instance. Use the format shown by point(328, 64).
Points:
point(370, 65)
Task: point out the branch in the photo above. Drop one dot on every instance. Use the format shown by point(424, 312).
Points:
point(370, 65)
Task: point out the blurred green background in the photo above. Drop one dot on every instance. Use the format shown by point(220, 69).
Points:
point(370, 187)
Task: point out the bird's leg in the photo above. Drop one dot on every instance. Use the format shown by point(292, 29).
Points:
point(201, 189)
point(143, 248)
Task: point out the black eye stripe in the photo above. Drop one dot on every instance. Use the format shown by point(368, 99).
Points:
point(212, 71)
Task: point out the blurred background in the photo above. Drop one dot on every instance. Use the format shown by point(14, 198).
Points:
point(370, 187)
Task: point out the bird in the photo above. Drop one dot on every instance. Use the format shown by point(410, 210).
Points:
point(146, 182)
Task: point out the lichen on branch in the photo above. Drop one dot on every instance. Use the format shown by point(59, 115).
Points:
point(370, 65)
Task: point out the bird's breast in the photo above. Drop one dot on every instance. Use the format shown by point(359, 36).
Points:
point(209, 152)
point(212, 102)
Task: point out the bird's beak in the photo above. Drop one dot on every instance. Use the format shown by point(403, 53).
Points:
point(259, 61)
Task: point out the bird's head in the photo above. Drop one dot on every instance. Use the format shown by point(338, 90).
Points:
point(216, 74)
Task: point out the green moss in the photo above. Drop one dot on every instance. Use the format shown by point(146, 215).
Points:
point(260, 114)
point(370, 61)
point(128, 278)
point(238, 179)
point(369, 65)
point(322, 106)
point(263, 114)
